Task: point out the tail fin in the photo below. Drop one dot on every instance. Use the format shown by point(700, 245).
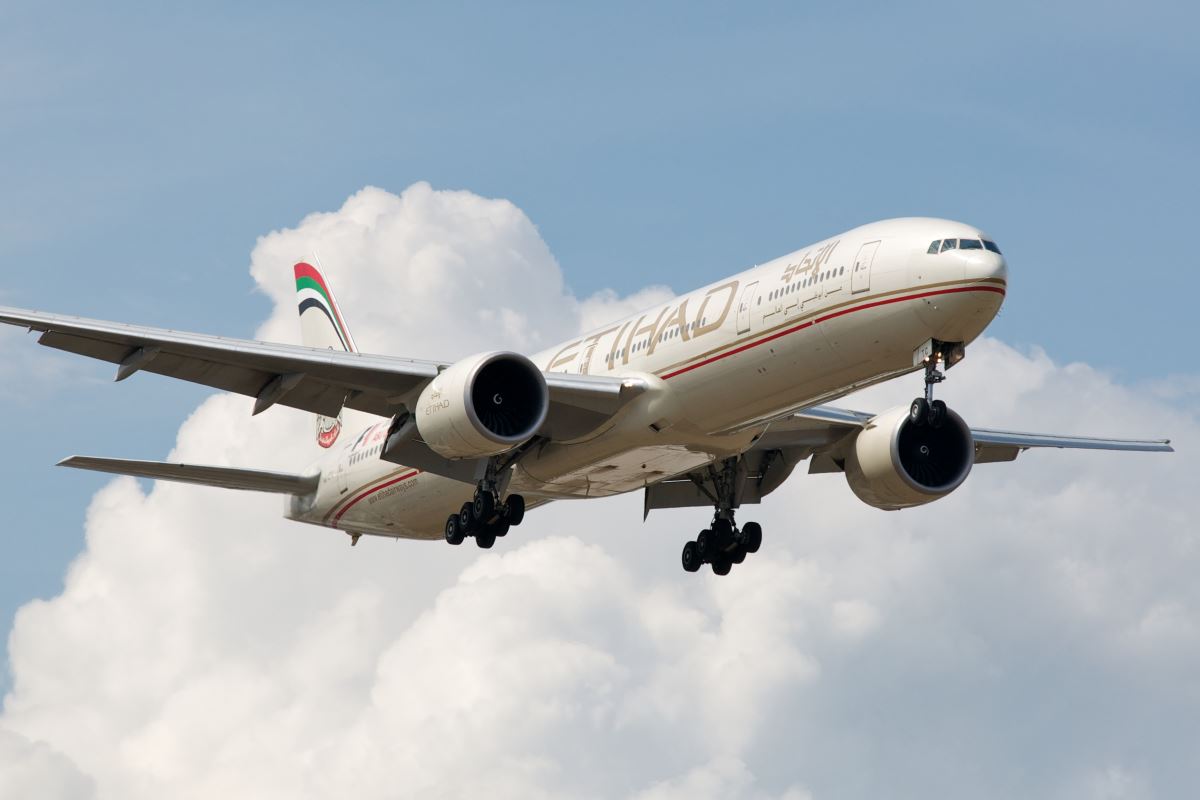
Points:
point(321, 325)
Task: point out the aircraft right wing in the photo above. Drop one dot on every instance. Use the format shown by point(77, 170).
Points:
point(307, 378)
point(250, 480)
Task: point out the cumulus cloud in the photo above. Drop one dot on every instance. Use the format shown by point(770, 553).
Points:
point(1033, 634)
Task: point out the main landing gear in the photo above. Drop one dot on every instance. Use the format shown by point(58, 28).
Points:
point(723, 544)
point(925, 410)
point(486, 517)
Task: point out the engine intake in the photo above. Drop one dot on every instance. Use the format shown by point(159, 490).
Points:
point(482, 406)
point(895, 464)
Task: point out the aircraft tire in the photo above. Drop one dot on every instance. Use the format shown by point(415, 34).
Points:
point(722, 564)
point(499, 528)
point(937, 414)
point(918, 412)
point(466, 519)
point(691, 557)
point(515, 509)
point(485, 505)
point(751, 537)
point(454, 533)
point(705, 545)
point(723, 534)
point(485, 540)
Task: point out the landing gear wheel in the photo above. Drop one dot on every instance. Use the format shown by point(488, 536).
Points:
point(751, 537)
point(723, 532)
point(738, 555)
point(466, 519)
point(918, 412)
point(499, 528)
point(937, 414)
point(721, 565)
point(515, 509)
point(454, 532)
point(485, 540)
point(705, 546)
point(691, 557)
point(485, 505)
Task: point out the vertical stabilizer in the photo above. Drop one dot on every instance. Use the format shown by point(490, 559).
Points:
point(321, 325)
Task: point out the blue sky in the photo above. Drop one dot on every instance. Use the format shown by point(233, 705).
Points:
point(144, 148)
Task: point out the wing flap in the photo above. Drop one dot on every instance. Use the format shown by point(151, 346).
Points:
point(250, 480)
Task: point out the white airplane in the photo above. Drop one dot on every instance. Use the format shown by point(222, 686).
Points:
point(709, 400)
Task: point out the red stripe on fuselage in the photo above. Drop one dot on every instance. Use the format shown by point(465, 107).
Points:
point(811, 322)
point(372, 491)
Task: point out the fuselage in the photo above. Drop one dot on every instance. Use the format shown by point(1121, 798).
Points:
point(723, 361)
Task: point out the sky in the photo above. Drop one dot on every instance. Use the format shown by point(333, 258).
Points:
point(1034, 633)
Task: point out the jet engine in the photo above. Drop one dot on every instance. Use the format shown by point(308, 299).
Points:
point(894, 464)
point(482, 406)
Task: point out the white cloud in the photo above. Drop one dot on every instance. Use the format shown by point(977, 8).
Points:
point(1033, 634)
point(28, 374)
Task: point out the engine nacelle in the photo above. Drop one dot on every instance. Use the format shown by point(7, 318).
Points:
point(894, 464)
point(482, 406)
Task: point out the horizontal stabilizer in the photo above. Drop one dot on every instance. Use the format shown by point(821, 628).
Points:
point(250, 480)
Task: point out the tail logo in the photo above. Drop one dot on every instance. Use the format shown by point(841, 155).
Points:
point(328, 430)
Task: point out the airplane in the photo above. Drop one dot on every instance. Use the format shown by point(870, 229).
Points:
point(709, 400)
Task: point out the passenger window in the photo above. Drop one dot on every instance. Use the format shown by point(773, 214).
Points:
point(969, 244)
point(949, 244)
point(933, 248)
point(991, 246)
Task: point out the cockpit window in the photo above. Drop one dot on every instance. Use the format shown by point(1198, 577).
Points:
point(949, 244)
point(933, 248)
point(991, 246)
point(970, 244)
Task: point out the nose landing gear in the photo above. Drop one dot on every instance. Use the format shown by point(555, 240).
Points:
point(925, 410)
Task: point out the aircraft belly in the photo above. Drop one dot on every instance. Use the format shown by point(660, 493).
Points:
point(617, 473)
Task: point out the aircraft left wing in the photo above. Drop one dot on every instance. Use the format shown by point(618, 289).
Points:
point(307, 378)
point(820, 433)
point(823, 425)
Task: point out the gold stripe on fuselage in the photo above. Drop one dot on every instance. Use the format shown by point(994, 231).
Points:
point(864, 299)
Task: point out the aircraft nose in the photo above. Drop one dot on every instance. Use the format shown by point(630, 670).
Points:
point(984, 265)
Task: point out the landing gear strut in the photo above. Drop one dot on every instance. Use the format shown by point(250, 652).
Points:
point(485, 516)
point(925, 410)
point(723, 544)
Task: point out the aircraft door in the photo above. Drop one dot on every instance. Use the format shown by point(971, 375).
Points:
point(745, 305)
point(343, 476)
point(585, 363)
point(860, 274)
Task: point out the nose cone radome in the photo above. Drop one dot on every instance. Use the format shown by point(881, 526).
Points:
point(984, 265)
point(968, 288)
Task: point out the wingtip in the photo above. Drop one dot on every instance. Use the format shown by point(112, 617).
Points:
point(69, 461)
